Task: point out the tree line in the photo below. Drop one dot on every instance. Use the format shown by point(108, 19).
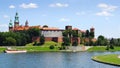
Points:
point(20, 38)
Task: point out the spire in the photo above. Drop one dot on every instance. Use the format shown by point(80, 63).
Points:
point(10, 23)
point(26, 23)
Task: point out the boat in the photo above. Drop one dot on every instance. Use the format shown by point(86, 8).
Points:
point(9, 50)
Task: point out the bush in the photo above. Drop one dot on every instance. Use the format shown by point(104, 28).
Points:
point(111, 46)
point(35, 43)
point(107, 48)
point(51, 47)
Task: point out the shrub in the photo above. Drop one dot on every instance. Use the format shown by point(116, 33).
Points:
point(35, 43)
point(51, 47)
point(111, 46)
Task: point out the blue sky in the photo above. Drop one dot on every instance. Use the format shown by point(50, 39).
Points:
point(103, 15)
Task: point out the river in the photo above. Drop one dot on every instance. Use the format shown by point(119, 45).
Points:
point(53, 60)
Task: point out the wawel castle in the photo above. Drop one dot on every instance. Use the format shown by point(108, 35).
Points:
point(50, 33)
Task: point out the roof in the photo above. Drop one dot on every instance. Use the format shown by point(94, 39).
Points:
point(25, 27)
point(51, 28)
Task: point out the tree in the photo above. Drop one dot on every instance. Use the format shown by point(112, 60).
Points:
point(87, 34)
point(42, 39)
point(74, 33)
point(92, 34)
point(10, 41)
point(66, 41)
point(112, 43)
point(33, 32)
point(101, 40)
point(65, 33)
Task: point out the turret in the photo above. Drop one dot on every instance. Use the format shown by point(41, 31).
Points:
point(68, 27)
point(92, 29)
point(26, 23)
point(16, 21)
point(10, 26)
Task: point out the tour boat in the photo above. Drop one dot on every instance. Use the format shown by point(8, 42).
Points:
point(9, 50)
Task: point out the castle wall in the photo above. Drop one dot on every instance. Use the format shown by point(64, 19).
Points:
point(52, 33)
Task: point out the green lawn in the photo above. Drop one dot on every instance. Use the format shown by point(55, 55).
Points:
point(103, 48)
point(110, 59)
point(31, 48)
point(2, 49)
point(36, 48)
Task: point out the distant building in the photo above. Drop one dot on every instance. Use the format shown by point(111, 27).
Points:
point(50, 33)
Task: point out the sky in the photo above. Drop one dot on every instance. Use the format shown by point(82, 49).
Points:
point(103, 15)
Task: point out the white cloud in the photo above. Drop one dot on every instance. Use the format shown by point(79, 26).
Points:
point(12, 6)
point(64, 20)
point(30, 5)
point(58, 5)
point(107, 7)
point(106, 10)
point(5, 16)
point(104, 13)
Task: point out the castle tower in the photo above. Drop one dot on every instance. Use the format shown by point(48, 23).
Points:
point(68, 27)
point(92, 32)
point(10, 26)
point(16, 21)
point(26, 23)
point(92, 29)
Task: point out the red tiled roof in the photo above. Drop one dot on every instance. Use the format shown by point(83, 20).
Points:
point(25, 27)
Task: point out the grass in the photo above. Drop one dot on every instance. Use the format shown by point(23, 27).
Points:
point(30, 48)
point(103, 48)
point(2, 49)
point(108, 59)
point(36, 48)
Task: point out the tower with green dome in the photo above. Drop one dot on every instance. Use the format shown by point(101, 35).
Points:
point(10, 26)
point(16, 21)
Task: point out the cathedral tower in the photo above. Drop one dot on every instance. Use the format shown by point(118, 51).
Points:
point(16, 21)
point(10, 26)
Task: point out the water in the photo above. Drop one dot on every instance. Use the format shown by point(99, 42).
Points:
point(53, 60)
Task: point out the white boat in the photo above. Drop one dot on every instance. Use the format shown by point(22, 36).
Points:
point(9, 50)
point(15, 51)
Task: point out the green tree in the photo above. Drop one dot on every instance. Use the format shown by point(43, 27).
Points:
point(87, 34)
point(101, 40)
point(112, 43)
point(74, 33)
point(66, 41)
point(65, 33)
point(34, 32)
point(42, 39)
point(92, 34)
point(10, 41)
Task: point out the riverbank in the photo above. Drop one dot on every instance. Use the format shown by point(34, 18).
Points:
point(46, 47)
point(103, 48)
point(111, 59)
